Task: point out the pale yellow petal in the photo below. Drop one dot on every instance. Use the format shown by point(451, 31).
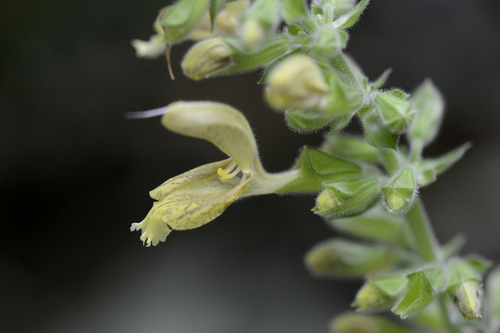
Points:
point(217, 123)
point(191, 208)
point(204, 172)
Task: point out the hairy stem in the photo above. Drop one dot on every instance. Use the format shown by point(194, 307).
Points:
point(422, 231)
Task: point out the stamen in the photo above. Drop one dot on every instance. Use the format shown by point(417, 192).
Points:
point(228, 172)
point(146, 114)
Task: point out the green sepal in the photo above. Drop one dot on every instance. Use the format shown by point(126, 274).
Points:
point(444, 162)
point(381, 80)
point(315, 10)
point(459, 271)
point(293, 10)
point(478, 264)
point(345, 68)
point(328, 42)
point(425, 177)
point(294, 29)
point(395, 112)
point(265, 12)
point(376, 225)
point(376, 133)
point(342, 97)
point(493, 299)
point(273, 48)
point(346, 198)
point(453, 246)
point(214, 9)
point(380, 293)
point(307, 120)
point(398, 94)
point(423, 288)
point(317, 167)
point(182, 18)
point(430, 106)
point(341, 122)
point(352, 148)
point(400, 192)
point(350, 18)
point(343, 258)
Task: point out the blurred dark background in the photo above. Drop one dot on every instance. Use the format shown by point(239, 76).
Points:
point(74, 174)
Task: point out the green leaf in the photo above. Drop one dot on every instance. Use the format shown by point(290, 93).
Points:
point(376, 133)
point(443, 163)
point(317, 167)
point(346, 198)
point(425, 177)
point(478, 263)
point(293, 10)
point(398, 94)
point(183, 18)
point(345, 146)
point(430, 106)
point(294, 29)
point(214, 9)
point(342, 97)
point(343, 258)
point(316, 10)
point(348, 19)
point(421, 292)
point(306, 120)
point(376, 225)
point(452, 247)
point(382, 79)
point(341, 122)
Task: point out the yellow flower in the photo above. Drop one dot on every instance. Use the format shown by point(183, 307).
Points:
point(198, 196)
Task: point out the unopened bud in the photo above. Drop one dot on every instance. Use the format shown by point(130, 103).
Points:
point(206, 57)
point(395, 112)
point(182, 19)
point(468, 300)
point(400, 193)
point(297, 82)
point(347, 197)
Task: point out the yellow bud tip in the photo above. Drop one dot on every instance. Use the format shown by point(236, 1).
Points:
point(467, 299)
point(205, 58)
point(354, 323)
point(297, 82)
point(325, 201)
point(367, 297)
point(321, 259)
point(252, 34)
point(394, 200)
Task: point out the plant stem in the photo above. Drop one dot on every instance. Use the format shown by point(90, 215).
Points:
point(422, 231)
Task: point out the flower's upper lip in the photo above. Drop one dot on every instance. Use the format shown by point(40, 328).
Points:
point(217, 123)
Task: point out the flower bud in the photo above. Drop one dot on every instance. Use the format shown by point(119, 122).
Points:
point(252, 34)
point(347, 197)
point(467, 298)
point(342, 258)
point(400, 193)
point(360, 323)
point(205, 58)
point(380, 293)
point(297, 82)
point(342, 97)
point(395, 112)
